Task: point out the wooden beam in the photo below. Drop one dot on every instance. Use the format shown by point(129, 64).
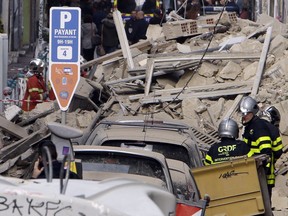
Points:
point(12, 128)
point(15, 149)
point(206, 88)
point(198, 57)
point(113, 82)
point(149, 75)
point(208, 56)
point(211, 94)
point(262, 62)
point(142, 45)
point(167, 66)
point(259, 30)
point(33, 118)
point(123, 38)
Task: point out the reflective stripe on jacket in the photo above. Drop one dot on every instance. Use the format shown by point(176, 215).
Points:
point(258, 137)
point(225, 150)
point(277, 146)
point(34, 92)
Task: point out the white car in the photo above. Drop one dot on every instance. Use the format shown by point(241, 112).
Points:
point(113, 197)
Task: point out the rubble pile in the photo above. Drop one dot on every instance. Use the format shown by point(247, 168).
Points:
point(201, 85)
point(199, 78)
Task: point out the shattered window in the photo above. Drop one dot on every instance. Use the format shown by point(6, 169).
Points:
point(183, 185)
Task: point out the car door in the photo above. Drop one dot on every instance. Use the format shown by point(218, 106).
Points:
point(189, 202)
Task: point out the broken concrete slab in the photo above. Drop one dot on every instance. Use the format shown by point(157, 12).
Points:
point(215, 111)
point(12, 129)
point(250, 71)
point(155, 32)
point(252, 46)
point(278, 69)
point(190, 108)
point(278, 27)
point(208, 69)
point(278, 45)
point(230, 71)
point(196, 80)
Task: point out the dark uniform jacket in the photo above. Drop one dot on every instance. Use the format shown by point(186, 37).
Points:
point(225, 150)
point(140, 30)
point(130, 28)
point(277, 146)
point(109, 33)
point(258, 137)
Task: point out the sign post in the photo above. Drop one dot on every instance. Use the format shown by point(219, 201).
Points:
point(64, 53)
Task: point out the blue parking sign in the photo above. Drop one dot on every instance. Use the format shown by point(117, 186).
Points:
point(64, 53)
point(65, 35)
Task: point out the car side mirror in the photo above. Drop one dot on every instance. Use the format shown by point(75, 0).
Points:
point(207, 199)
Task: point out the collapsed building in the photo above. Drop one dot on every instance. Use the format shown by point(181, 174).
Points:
point(196, 71)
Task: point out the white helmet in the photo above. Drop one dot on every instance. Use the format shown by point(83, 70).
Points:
point(36, 65)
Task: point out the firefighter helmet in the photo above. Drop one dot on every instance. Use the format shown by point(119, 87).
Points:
point(228, 128)
point(273, 114)
point(249, 105)
point(36, 65)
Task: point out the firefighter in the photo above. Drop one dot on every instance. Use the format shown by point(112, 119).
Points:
point(229, 147)
point(257, 136)
point(274, 117)
point(36, 90)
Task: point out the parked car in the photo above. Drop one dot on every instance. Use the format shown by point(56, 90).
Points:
point(100, 163)
point(173, 139)
point(189, 201)
point(113, 197)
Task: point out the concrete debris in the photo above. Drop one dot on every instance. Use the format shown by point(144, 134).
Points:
point(180, 77)
point(12, 111)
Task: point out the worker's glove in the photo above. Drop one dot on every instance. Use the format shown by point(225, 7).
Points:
point(267, 165)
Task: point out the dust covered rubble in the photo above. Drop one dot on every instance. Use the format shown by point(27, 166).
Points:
point(198, 94)
point(212, 75)
point(207, 109)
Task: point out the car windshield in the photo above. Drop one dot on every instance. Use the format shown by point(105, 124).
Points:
point(120, 163)
point(176, 152)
